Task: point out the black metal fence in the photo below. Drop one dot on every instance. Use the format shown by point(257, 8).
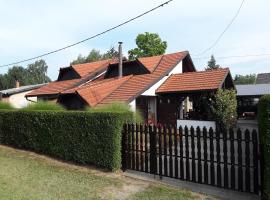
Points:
point(227, 159)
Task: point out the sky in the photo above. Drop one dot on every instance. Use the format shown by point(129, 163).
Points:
point(29, 28)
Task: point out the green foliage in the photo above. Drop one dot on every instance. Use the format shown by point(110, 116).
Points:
point(264, 129)
point(35, 73)
point(225, 107)
point(212, 64)
point(118, 107)
point(148, 44)
point(83, 137)
point(244, 79)
point(6, 106)
point(95, 55)
point(43, 105)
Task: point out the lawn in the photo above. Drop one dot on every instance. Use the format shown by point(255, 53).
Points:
point(26, 175)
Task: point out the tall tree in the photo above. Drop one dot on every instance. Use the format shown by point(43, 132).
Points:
point(95, 55)
point(35, 73)
point(244, 79)
point(212, 64)
point(148, 44)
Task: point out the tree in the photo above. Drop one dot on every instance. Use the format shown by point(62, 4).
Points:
point(224, 108)
point(37, 72)
point(95, 55)
point(212, 64)
point(148, 44)
point(244, 79)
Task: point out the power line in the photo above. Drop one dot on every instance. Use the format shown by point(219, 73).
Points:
point(234, 56)
point(223, 32)
point(89, 38)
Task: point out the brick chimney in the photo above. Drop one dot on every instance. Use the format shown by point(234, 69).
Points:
point(17, 84)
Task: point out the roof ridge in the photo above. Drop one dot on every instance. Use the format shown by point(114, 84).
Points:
point(205, 71)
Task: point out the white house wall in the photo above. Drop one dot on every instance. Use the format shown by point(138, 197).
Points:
point(152, 91)
point(19, 101)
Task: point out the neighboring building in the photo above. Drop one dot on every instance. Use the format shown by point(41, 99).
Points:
point(263, 78)
point(248, 97)
point(16, 96)
point(157, 86)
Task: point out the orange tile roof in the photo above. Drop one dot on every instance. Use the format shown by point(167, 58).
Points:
point(87, 68)
point(150, 62)
point(95, 91)
point(194, 81)
point(54, 87)
point(138, 84)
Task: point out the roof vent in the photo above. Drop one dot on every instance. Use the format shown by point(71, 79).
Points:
point(120, 65)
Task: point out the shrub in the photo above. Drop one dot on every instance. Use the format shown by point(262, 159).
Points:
point(264, 129)
point(118, 107)
point(225, 108)
point(43, 105)
point(6, 106)
point(83, 137)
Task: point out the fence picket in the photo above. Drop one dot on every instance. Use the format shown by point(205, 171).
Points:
point(239, 155)
point(146, 129)
point(205, 152)
point(212, 167)
point(255, 161)
point(187, 154)
point(193, 166)
point(141, 149)
point(181, 141)
point(133, 147)
point(232, 159)
point(175, 153)
point(199, 169)
point(160, 150)
point(137, 147)
point(170, 152)
point(165, 151)
point(218, 157)
point(225, 158)
point(247, 161)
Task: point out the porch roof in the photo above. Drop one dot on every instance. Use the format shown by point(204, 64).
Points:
point(194, 81)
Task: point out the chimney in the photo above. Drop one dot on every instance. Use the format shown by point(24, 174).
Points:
point(120, 66)
point(17, 84)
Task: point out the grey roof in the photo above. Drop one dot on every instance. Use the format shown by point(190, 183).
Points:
point(253, 90)
point(263, 78)
point(26, 88)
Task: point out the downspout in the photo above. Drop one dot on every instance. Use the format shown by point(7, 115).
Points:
point(30, 100)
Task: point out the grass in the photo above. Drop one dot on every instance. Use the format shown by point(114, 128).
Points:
point(42, 105)
point(25, 175)
point(6, 106)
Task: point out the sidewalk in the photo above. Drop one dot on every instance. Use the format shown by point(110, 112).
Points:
point(195, 187)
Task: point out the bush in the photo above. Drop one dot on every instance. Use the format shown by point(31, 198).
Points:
point(264, 129)
point(6, 106)
point(118, 107)
point(83, 137)
point(225, 108)
point(43, 105)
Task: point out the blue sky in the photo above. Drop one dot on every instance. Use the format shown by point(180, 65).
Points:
point(29, 28)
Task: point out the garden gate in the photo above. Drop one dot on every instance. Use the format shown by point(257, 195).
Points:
point(227, 159)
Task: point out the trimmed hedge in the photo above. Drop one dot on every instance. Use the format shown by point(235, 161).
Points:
point(83, 137)
point(264, 128)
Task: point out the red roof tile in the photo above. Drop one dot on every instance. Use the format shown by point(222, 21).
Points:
point(136, 85)
point(54, 87)
point(150, 62)
point(194, 81)
point(87, 68)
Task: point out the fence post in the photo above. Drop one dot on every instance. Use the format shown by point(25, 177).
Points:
point(153, 152)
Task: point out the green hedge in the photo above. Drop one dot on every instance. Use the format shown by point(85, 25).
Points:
point(264, 128)
point(83, 137)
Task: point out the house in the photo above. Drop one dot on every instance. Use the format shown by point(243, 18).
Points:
point(248, 97)
point(16, 96)
point(157, 86)
point(263, 78)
